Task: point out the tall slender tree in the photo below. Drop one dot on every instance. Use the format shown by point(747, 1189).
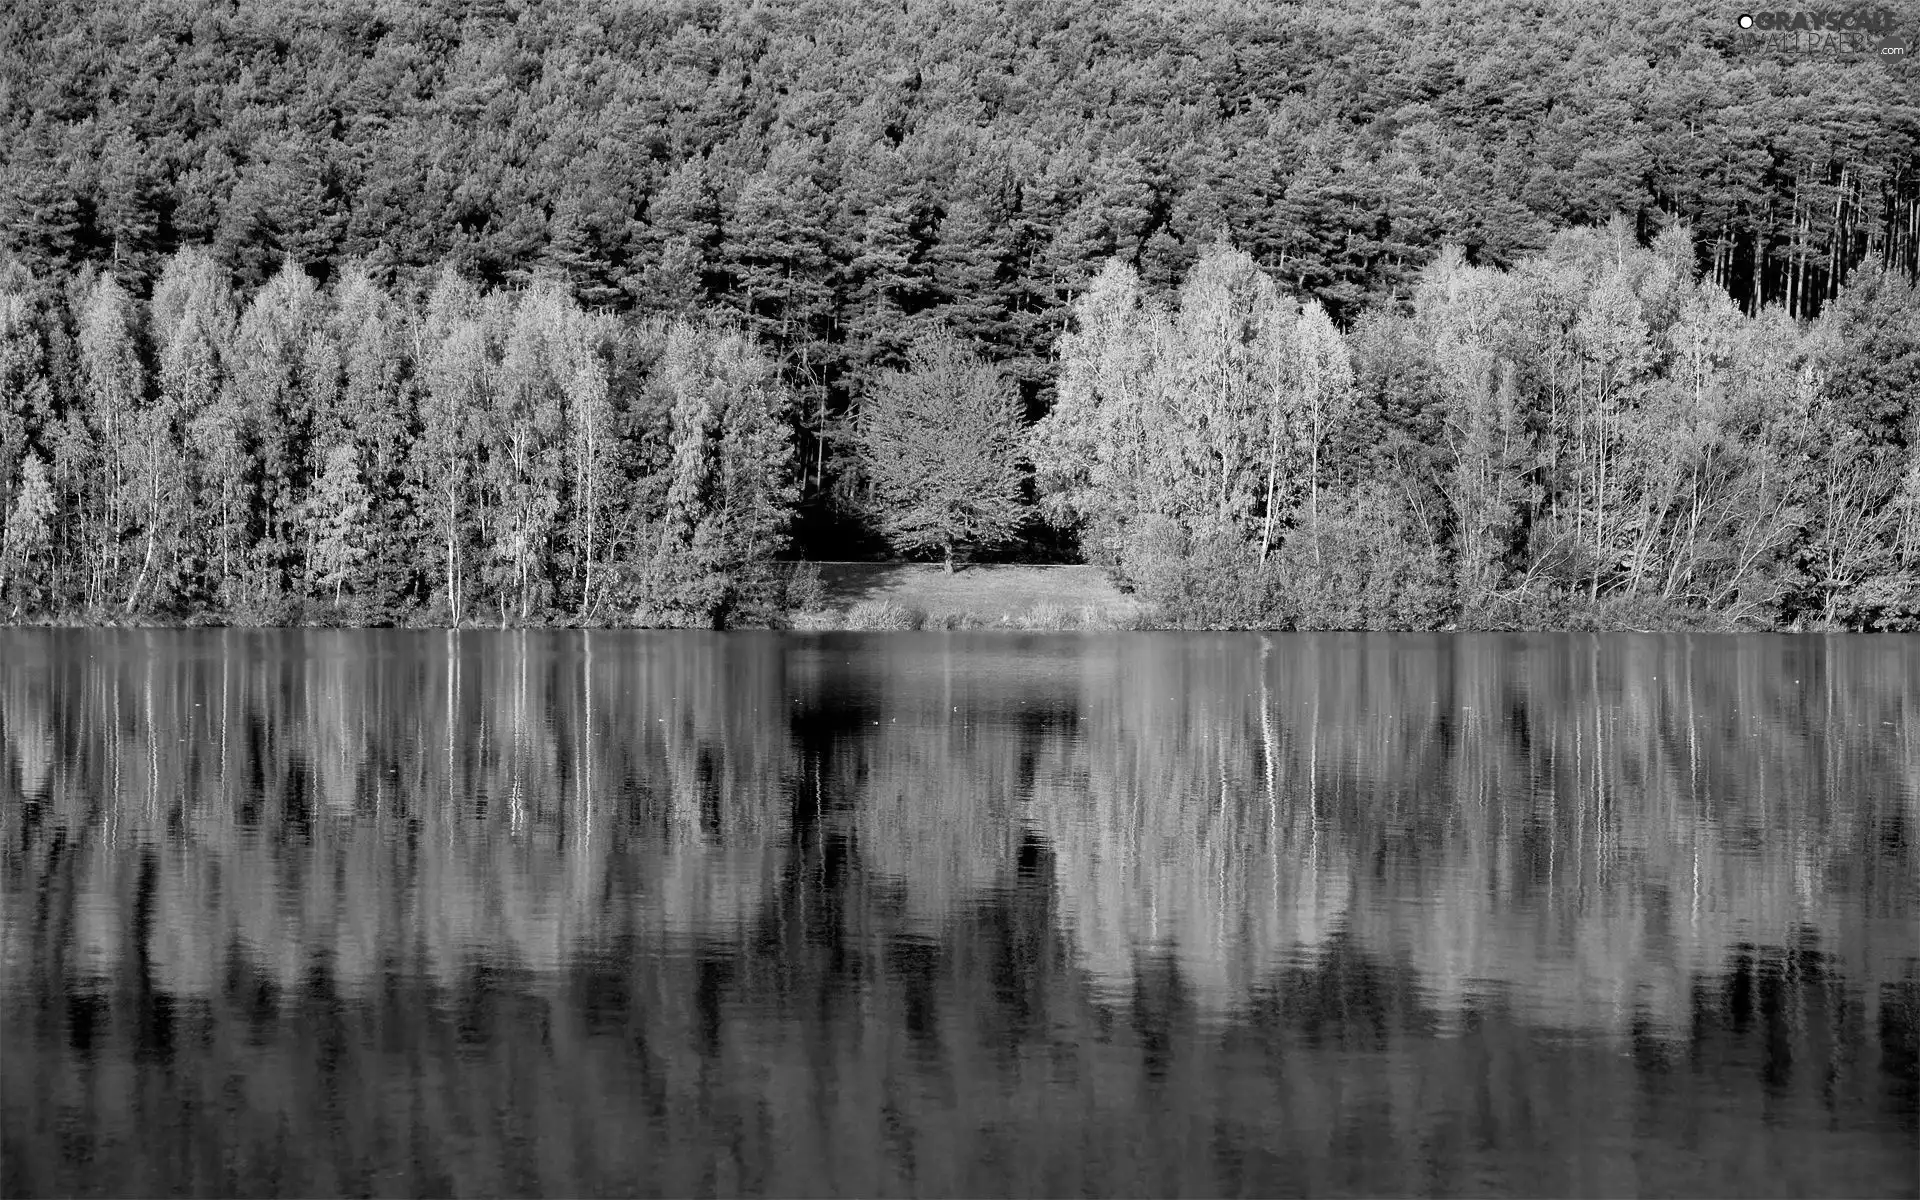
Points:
point(731, 494)
point(190, 438)
point(458, 373)
point(116, 395)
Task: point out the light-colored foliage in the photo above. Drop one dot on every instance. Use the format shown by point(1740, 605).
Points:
point(336, 519)
point(27, 534)
point(1208, 422)
point(731, 494)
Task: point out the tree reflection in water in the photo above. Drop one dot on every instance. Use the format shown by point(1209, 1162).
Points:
point(305, 913)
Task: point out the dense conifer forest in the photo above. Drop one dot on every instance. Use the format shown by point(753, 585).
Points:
point(1344, 314)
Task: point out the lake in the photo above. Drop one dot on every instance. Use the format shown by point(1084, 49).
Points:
point(607, 913)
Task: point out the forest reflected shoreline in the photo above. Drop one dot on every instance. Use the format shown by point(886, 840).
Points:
point(957, 914)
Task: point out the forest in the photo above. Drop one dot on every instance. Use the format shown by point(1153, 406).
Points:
point(1349, 314)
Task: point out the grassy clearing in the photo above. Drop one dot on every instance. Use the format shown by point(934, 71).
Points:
point(885, 615)
point(880, 596)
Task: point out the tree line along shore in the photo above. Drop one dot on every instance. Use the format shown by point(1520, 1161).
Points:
point(1597, 437)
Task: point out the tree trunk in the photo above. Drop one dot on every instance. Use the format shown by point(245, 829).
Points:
point(1313, 495)
point(1266, 525)
point(142, 577)
point(453, 577)
point(586, 574)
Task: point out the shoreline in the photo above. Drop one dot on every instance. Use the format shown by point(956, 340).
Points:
point(869, 597)
point(901, 619)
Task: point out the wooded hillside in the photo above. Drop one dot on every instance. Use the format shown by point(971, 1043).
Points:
point(831, 183)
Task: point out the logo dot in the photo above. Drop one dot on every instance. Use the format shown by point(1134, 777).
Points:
point(1746, 21)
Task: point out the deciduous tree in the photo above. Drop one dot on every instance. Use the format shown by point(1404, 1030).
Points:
point(942, 446)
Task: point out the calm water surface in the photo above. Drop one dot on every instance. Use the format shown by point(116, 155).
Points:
point(386, 913)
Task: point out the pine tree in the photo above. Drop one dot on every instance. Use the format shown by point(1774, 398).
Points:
point(128, 208)
point(679, 240)
point(888, 282)
point(40, 211)
point(574, 250)
point(970, 260)
point(776, 249)
point(1124, 191)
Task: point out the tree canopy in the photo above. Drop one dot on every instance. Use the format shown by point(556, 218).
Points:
point(941, 451)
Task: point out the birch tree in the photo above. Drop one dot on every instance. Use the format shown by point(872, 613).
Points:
point(24, 390)
point(26, 537)
point(263, 423)
point(335, 515)
point(454, 352)
point(732, 492)
point(1318, 401)
point(193, 318)
point(1229, 331)
point(1488, 445)
point(115, 395)
point(1616, 357)
point(591, 437)
point(376, 411)
point(524, 444)
point(1099, 455)
point(1458, 311)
